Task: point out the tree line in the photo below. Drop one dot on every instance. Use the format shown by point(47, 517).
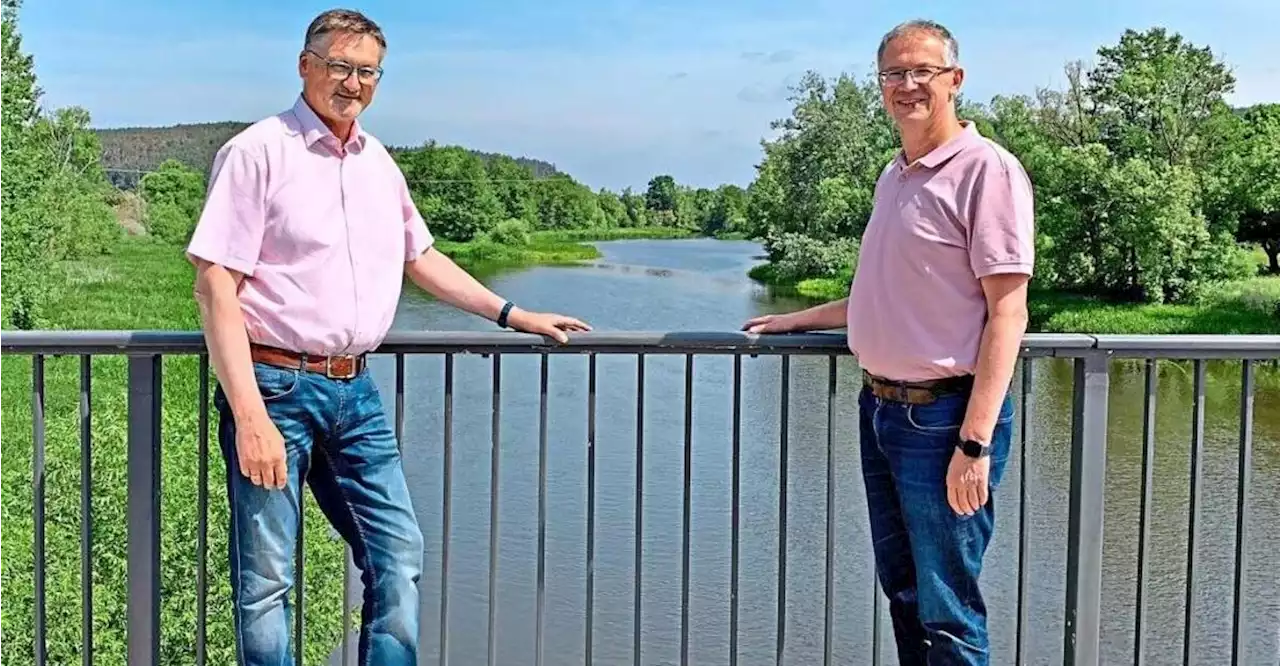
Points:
point(1149, 187)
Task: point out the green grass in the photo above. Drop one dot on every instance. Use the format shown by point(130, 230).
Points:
point(1245, 307)
point(143, 286)
point(816, 289)
point(1249, 306)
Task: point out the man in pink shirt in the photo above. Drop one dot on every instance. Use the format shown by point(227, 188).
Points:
point(306, 234)
point(935, 315)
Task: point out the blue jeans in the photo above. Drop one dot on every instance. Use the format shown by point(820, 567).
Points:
point(928, 557)
point(337, 437)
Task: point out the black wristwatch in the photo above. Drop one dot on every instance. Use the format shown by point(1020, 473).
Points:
point(975, 449)
point(502, 316)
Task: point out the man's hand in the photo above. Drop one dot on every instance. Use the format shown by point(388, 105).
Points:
point(967, 482)
point(549, 324)
point(260, 449)
point(817, 318)
point(772, 323)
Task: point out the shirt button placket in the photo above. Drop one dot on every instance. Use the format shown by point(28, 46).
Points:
point(351, 253)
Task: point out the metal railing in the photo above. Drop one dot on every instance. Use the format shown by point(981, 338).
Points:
point(1092, 359)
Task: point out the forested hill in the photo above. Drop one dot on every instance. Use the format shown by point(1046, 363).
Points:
point(129, 150)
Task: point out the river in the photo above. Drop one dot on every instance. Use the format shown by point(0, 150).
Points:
point(701, 285)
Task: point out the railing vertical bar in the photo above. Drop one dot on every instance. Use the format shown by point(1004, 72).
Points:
point(1242, 495)
point(202, 511)
point(86, 509)
point(1024, 538)
point(591, 506)
point(494, 474)
point(1081, 634)
point(1193, 512)
point(145, 404)
point(1144, 510)
point(348, 562)
point(300, 579)
point(400, 400)
point(783, 428)
point(37, 502)
point(735, 514)
point(639, 508)
point(542, 512)
point(688, 509)
point(828, 621)
point(875, 619)
point(446, 508)
point(346, 605)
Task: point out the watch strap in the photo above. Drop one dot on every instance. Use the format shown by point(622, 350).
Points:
point(502, 316)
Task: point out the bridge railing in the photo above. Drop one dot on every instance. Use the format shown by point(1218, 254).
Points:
point(1092, 360)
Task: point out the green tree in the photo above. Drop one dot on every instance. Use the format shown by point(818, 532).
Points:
point(613, 211)
point(513, 184)
point(1156, 96)
point(1248, 181)
point(661, 194)
point(564, 203)
point(174, 194)
point(452, 190)
point(828, 157)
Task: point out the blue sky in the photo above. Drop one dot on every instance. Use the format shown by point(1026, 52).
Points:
point(612, 92)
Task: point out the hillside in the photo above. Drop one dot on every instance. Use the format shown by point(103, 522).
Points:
point(127, 150)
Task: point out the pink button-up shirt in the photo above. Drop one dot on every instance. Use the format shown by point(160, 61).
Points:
point(320, 231)
point(960, 213)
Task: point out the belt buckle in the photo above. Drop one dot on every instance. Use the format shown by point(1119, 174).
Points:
point(348, 358)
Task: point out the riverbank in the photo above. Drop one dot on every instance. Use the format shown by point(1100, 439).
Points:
point(1249, 306)
point(547, 247)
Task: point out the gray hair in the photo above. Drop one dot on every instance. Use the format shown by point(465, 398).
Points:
point(342, 21)
point(922, 25)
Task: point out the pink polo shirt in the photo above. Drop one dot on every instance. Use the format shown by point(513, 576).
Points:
point(320, 231)
point(962, 212)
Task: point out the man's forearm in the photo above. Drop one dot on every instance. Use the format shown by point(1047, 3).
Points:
point(997, 356)
point(824, 317)
point(442, 278)
point(228, 344)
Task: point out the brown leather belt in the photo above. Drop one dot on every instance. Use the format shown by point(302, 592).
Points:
point(344, 366)
point(916, 393)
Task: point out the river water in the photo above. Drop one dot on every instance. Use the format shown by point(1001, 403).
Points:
point(701, 285)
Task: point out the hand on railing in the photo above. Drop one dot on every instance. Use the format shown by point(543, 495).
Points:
point(548, 324)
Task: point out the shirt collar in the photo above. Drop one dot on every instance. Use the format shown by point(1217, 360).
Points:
point(939, 156)
point(313, 129)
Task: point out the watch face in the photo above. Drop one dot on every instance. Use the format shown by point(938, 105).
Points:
point(973, 449)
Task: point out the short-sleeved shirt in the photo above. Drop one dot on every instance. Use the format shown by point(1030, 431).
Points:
point(962, 212)
point(321, 232)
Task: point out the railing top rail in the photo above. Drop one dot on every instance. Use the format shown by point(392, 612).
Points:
point(653, 342)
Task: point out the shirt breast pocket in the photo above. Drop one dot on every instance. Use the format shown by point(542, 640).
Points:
point(307, 219)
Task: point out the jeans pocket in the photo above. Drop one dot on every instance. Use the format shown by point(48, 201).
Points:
point(945, 414)
point(275, 383)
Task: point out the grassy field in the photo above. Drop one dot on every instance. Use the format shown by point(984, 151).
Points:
point(147, 285)
point(1243, 307)
point(144, 285)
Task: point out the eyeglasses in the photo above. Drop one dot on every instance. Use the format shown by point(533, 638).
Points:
point(339, 70)
point(921, 75)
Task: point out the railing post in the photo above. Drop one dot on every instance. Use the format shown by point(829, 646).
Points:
point(1084, 529)
point(144, 510)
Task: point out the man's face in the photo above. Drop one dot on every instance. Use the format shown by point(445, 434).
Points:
point(915, 81)
point(334, 97)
